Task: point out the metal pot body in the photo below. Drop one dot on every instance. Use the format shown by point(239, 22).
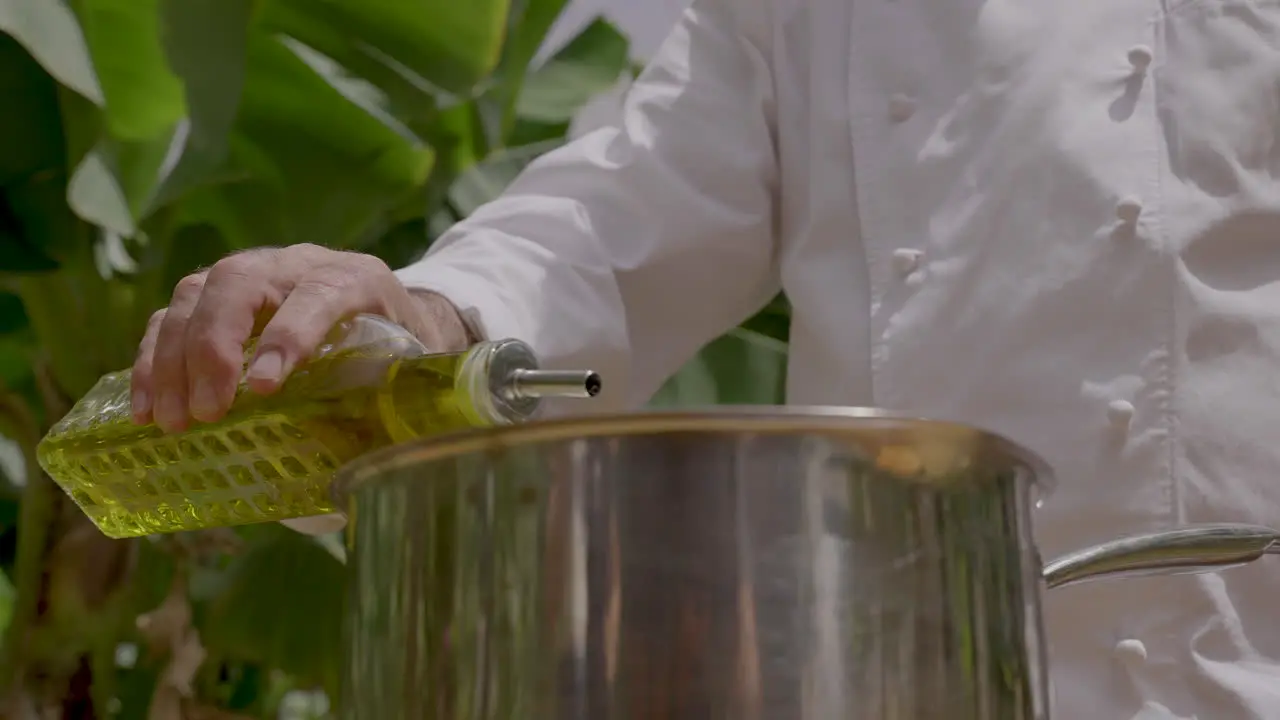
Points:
point(732, 564)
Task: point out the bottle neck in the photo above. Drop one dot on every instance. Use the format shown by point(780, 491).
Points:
point(487, 381)
point(421, 396)
point(492, 383)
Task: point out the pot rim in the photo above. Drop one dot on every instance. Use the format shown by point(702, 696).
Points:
point(868, 427)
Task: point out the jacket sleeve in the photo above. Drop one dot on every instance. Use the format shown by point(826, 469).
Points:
point(628, 249)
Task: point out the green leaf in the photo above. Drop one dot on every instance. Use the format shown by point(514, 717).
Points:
point(8, 595)
point(191, 248)
point(15, 359)
point(32, 161)
point(18, 350)
point(18, 253)
point(153, 575)
point(134, 689)
point(245, 214)
point(317, 155)
point(143, 98)
point(460, 143)
point(528, 132)
point(588, 65)
point(113, 184)
point(48, 29)
point(527, 28)
point(487, 180)
point(13, 463)
point(37, 229)
point(451, 45)
point(120, 151)
point(282, 607)
point(205, 42)
point(740, 367)
point(172, 73)
point(324, 143)
point(13, 316)
point(402, 245)
point(31, 137)
point(411, 98)
point(774, 320)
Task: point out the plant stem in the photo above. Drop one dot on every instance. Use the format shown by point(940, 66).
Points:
point(36, 515)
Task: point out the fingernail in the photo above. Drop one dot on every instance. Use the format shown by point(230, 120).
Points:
point(171, 413)
point(204, 399)
point(268, 366)
point(141, 404)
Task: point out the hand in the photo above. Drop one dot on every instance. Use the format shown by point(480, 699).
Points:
point(191, 357)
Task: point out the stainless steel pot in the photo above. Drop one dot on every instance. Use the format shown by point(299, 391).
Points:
point(749, 563)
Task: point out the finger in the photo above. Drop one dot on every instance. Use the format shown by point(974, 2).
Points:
point(142, 387)
point(238, 290)
point(297, 329)
point(325, 296)
point(169, 364)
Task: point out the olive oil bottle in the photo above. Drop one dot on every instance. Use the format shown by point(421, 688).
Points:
point(273, 457)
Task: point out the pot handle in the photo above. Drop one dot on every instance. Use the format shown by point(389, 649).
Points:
point(1191, 549)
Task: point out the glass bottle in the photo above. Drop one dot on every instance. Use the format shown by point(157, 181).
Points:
point(273, 457)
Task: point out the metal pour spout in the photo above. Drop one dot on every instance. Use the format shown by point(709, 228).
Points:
point(529, 384)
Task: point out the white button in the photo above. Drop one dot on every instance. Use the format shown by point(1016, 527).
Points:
point(1120, 412)
point(906, 260)
point(1140, 57)
point(1131, 650)
point(901, 108)
point(1129, 209)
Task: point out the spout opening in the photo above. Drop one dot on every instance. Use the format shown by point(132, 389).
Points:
point(532, 384)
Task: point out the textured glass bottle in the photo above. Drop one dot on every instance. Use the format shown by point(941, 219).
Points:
point(273, 457)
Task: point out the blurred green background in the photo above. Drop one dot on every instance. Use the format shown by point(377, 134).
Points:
point(140, 139)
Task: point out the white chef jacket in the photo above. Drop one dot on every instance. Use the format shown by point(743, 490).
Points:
point(1059, 220)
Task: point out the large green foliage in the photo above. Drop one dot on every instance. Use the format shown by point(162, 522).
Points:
point(142, 139)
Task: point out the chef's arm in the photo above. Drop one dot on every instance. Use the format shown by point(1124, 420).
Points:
point(629, 248)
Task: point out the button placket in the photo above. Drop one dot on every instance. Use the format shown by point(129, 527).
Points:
point(1120, 411)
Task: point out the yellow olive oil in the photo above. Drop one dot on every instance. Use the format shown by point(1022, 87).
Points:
point(273, 457)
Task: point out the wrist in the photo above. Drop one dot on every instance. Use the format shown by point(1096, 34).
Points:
point(439, 324)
